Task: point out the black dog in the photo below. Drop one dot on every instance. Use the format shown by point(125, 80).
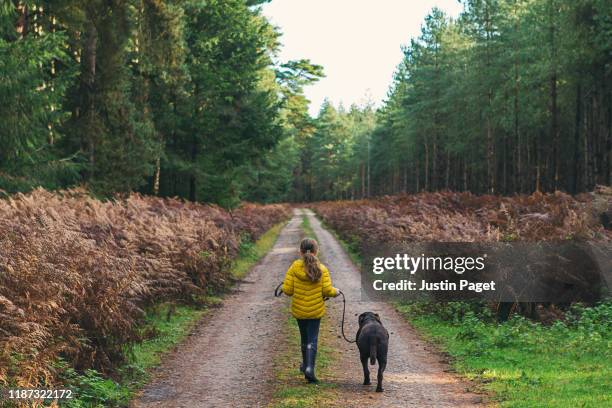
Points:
point(373, 342)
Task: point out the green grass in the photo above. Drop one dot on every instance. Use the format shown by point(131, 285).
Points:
point(292, 389)
point(526, 364)
point(349, 248)
point(307, 228)
point(164, 327)
point(252, 252)
point(167, 334)
point(92, 389)
point(521, 363)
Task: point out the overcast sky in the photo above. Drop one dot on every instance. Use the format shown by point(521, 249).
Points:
point(357, 42)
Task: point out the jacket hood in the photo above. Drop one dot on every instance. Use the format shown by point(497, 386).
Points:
point(300, 271)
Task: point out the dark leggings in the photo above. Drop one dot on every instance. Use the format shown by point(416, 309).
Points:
point(309, 331)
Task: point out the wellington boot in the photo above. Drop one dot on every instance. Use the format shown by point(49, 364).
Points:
point(303, 364)
point(309, 370)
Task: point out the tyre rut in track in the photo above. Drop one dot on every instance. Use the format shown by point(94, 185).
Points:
point(227, 360)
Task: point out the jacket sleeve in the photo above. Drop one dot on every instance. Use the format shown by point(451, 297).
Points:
point(328, 288)
point(288, 282)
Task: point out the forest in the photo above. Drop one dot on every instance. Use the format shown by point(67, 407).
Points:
point(154, 154)
point(513, 96)
point(187, 98)
point(164, 97)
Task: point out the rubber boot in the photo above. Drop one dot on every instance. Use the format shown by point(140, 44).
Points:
point(311, 356)
point(303, 364)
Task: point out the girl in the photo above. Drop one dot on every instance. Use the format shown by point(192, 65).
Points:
point(308, 281)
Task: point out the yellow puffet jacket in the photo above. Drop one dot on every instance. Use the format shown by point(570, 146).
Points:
point(307, 296)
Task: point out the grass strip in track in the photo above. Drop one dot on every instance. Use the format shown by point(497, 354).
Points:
point(307, 228)
point(292, 389)
point(350, 248)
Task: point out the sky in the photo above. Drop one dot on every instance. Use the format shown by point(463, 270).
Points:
point(357, 42)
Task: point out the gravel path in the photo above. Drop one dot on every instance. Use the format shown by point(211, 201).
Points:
point(227, 360)
point(415, 375)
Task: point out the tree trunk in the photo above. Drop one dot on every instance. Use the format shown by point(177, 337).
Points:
point(192, 177)
point(465, 176)
point(23, 21)
point(417, 176)
point(554, 124)
point(587, 123)
point(576, 186)
point(490, 150)
point(529, 173)
point(426, 167)
point(192, 188)
point(433, 175)
point(447, 178)
point(608, 175)
point(517, 136)
point(538, 158)
point(490, 142)
point(87, 92)
point(369, 174)
point(363, 181)
point(157, 175)
point(505, 165)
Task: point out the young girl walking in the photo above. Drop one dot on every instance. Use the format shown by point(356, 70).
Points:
point(308, 282)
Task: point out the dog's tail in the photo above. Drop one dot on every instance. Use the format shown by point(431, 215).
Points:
point(373, 347)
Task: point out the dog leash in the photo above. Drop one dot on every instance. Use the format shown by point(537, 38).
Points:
point(278, 293)
point(343, 313)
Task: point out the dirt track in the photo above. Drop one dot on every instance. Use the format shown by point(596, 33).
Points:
point(415, 377)
point(226, 362)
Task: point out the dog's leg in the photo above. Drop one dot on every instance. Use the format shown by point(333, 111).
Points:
point(382, 364)
point(366, 370)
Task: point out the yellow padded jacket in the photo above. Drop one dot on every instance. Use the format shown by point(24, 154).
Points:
point(307, 302)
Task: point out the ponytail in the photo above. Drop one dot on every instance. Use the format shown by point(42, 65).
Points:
point(308, 249)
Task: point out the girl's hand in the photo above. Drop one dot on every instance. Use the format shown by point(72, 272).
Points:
point(337, 291)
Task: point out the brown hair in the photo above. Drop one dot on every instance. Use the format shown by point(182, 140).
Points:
point(308, 249)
